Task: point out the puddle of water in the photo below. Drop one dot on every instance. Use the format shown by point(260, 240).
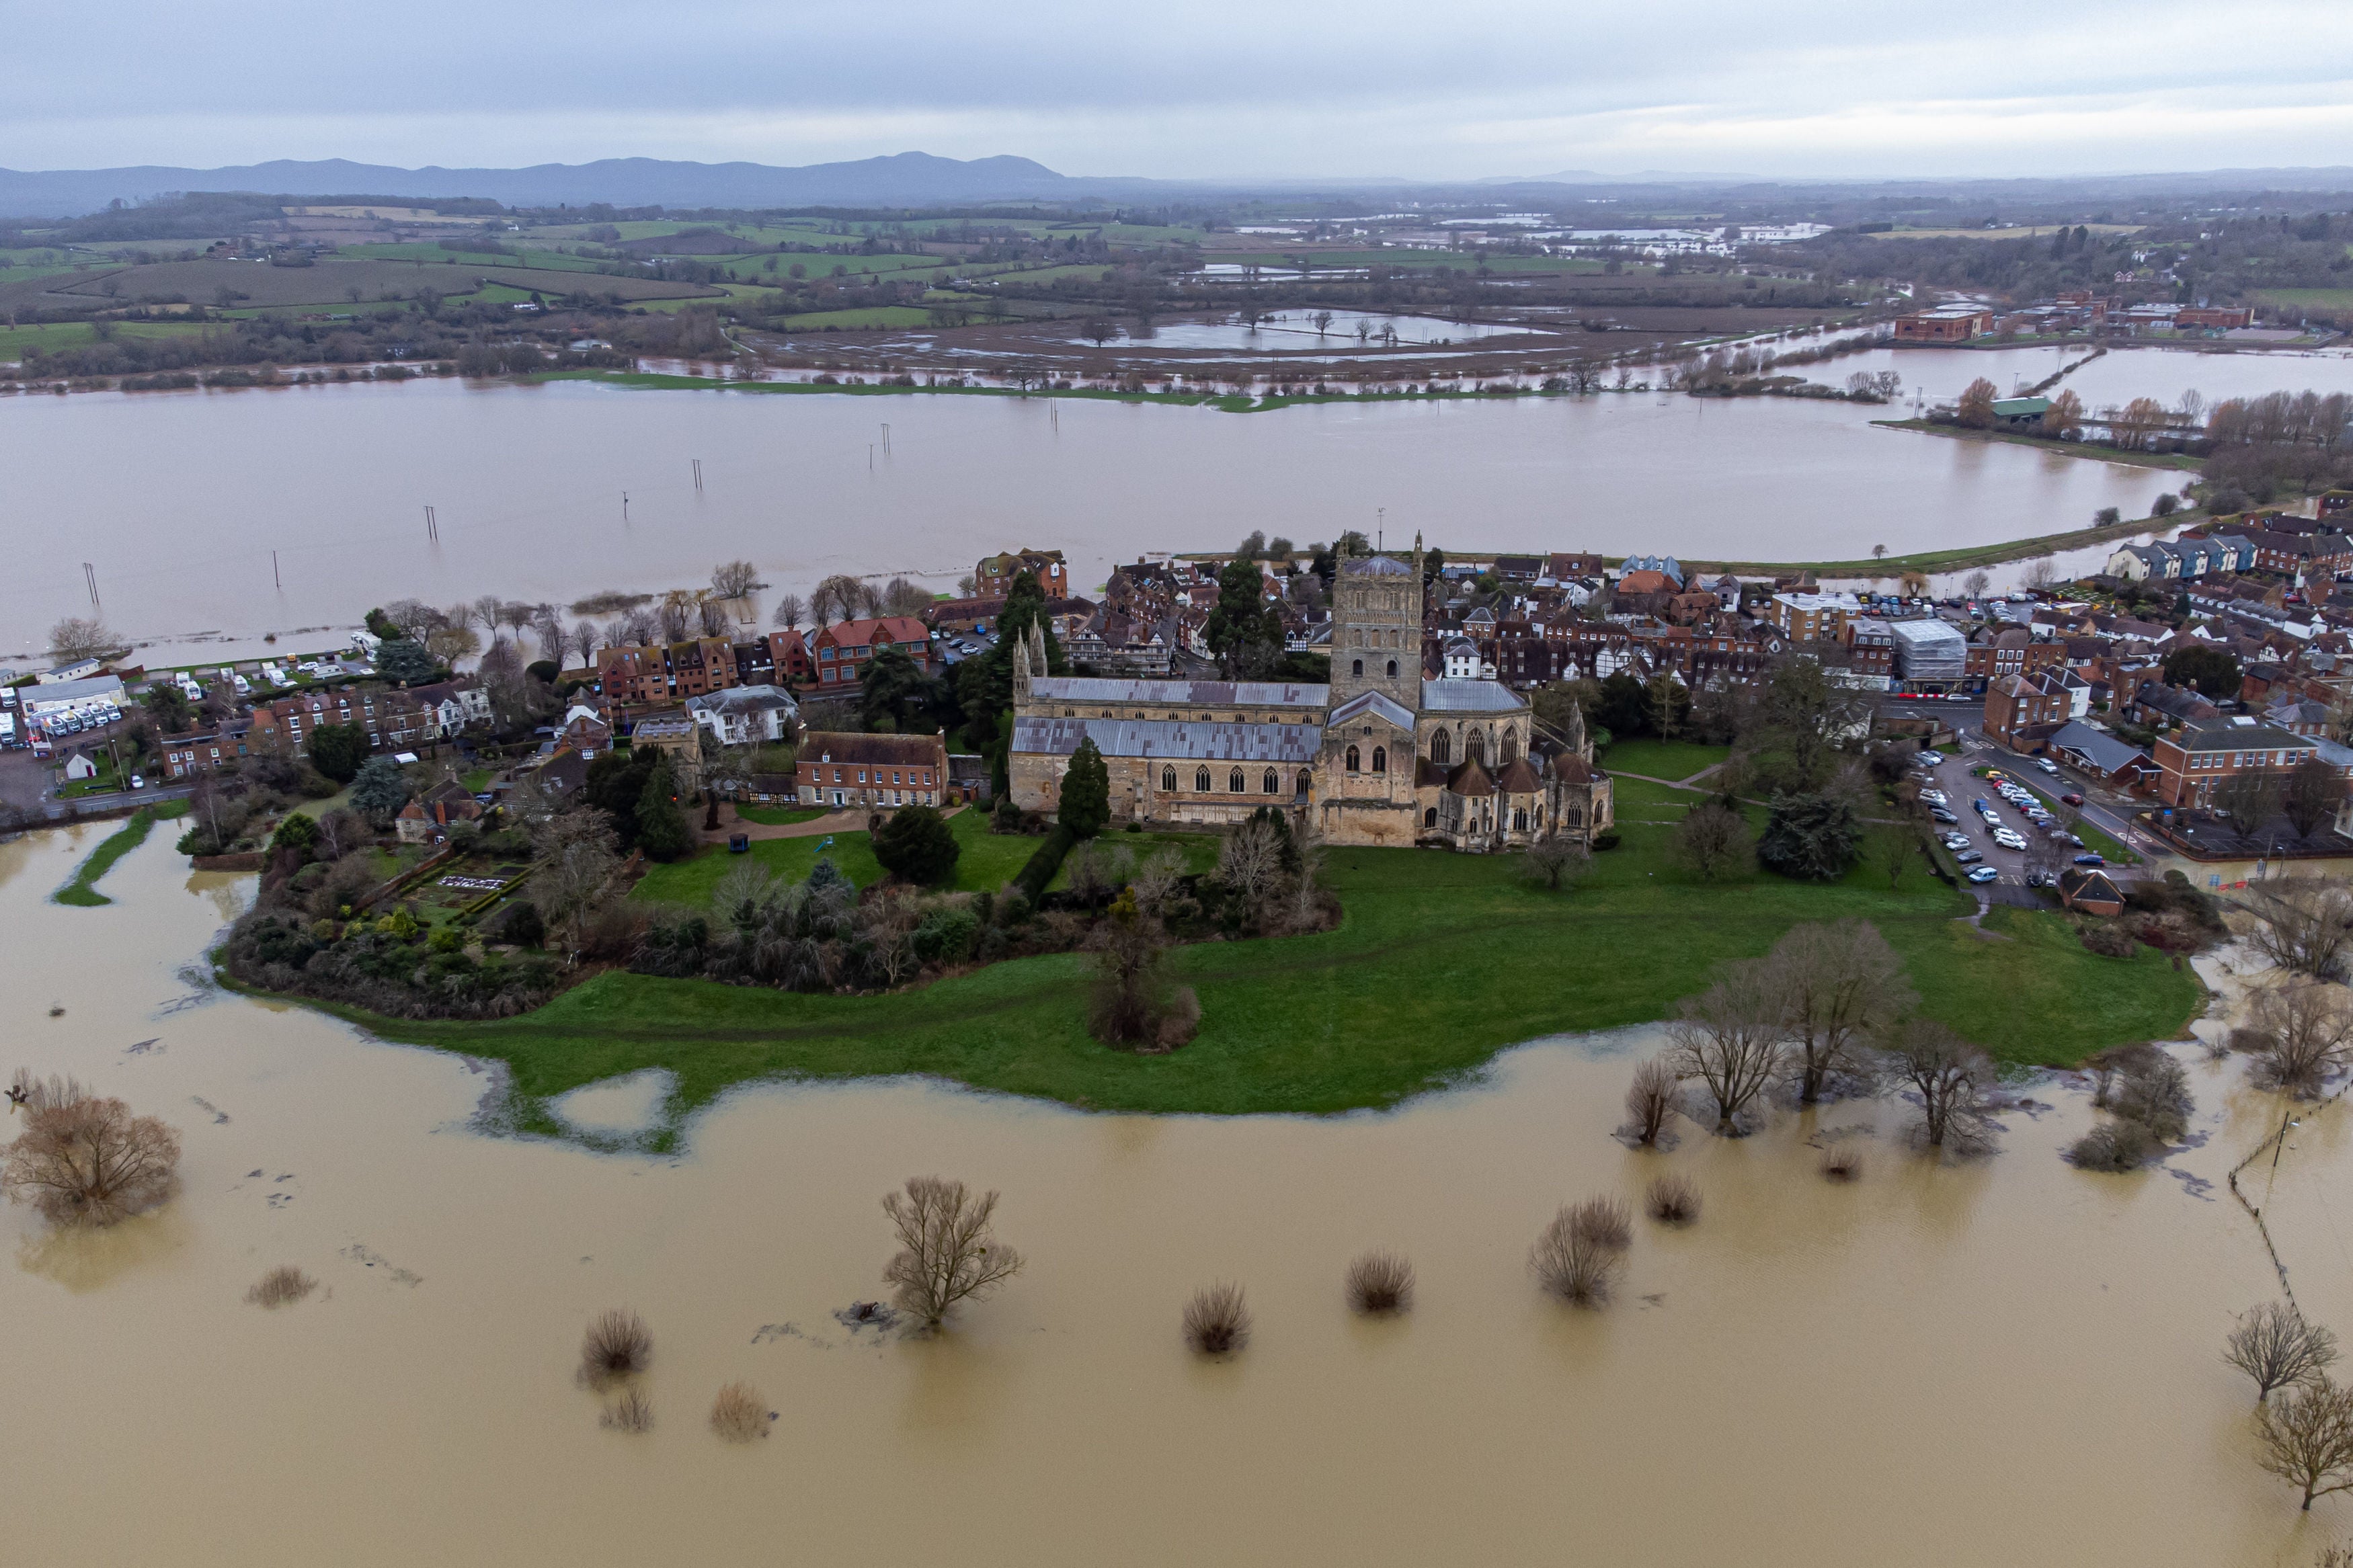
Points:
point(2010, 1359)
point(616, 1107)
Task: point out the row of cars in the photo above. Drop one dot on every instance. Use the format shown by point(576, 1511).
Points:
point(2023, 801)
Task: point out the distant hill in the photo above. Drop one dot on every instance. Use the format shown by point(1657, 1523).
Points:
point(907, 179)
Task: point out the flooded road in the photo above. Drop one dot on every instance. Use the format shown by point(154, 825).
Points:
point(1990, 1363)
point(239, 513)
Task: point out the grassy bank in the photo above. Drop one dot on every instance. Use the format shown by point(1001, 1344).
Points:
point(1441, 961)
point(80, 889)
point(2093, 449)
point(985, 862)
point(1966, 558)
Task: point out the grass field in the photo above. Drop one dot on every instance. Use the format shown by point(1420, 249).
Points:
point(1403, 259)
point(985, 862)
point(80, 889)
point(2036, 233)
point(539, 260)
point(870, 318)
point(1441, 960)
point(1671, 760)
point(2309, 299)
point(777, 815)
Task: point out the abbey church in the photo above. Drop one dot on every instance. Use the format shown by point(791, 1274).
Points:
point(1385, 755)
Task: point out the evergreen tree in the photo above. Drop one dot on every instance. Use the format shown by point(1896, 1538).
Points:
point(379, 789)
point(1086, 793)
point(1243, 630)
point(917, 845)
point(663, 832)
point(1813, 838)
point(405, 661)
point(338, 749)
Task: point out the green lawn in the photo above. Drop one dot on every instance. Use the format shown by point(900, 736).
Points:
point(986, 861)
point(1441, 961)
point(871, 317)
point(1671, 760)
point(1199, 849)
point(779, 816)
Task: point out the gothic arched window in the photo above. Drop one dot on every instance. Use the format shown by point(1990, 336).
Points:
point(1357, 666)
point(1474, 747)
point(1303, 782)
point(1168, 779)
point(1200, 781)
point(1355, 763)
point(1511, 746)
point(1520, 820)
point(1429, 817)
point(1380, 759)
point(1234, 784)
point(1270, 784)
point(1441, 747)
point(1392, 669)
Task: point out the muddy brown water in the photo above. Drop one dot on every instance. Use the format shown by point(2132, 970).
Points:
point(1996, 1363)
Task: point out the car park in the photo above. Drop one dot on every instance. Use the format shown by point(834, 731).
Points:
point(2010, 840)
point(1956, 841)
point(1985, 874)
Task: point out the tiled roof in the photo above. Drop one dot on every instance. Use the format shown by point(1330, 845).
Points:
point(1373, 702)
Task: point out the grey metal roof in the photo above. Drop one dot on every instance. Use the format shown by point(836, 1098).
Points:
point(2103, 751)
point(1174, 739)
point(1180, 693)
point(1386, 707)
point(1460, 696)
point(1376, 566)
point(755, 698)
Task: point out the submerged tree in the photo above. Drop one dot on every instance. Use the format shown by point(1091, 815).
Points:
point(947, 1253)
point(1951, 1077)
point(2307, 1437)
point(2274, 1346)
point(84, 1160)
point(1839, 985)
point(1729, 1038)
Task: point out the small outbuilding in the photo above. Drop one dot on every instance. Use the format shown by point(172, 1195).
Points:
point(2090, 891)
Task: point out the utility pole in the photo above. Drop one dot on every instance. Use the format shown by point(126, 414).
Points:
point(90, 577)
point(625, 506)
point(276, 581)
point(698, 476)
point(886, 436)
point(432, 526)
point(870, 456)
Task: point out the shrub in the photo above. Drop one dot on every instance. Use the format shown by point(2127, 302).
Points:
point(2153, 1090)
point(632, 1411)
point(618, 1345)
point(1217, 1320)
point(298, 833)
point(1841, 1165)
point(1606, 1221)
point(1673, 1200)
point(1570, 1263)
point(2108, 940)
point(1380, 1284)
point(1605, 839)
point(281, 1287)
point(1040, 869)
point(2113, 1146)
point(946, 935)
point(1005, 816)
point(739, 1414)
point(518, 923)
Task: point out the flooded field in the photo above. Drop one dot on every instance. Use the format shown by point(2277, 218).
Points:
point(1993, 1362)
point(227, 515)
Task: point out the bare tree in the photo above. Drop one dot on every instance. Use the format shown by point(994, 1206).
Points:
point(1249, 862)
point(947, 1253)
point(1713, 842)
point(1673, 1200)
point(2305, 1031)
point(2314, 791)
point(734, 579)
point(584, 638)
point(83, 1160)
point(449, 644)
point(1380, 1284)
point(1218, 1321)
point(1157, 881)
point(1651, 1100)
point(901, 597)
point(676, 614)
point(1839, 986)
point(1951, 1077)
point(1729, 1038)
point(739, 1414)
point(2308, 1438)
point(2274, 1345)
point(81, 637)
point(579, 854)
point(486, 612)
point(790, 612)
point(1892, 849)
point(414, 618)
point(518, 616)
point(1553, 860)
point(1977, 582)
point(616, 1345)
point(2041, 573)
point(2303, 923)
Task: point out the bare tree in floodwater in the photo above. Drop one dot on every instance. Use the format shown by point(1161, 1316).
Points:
point(2274, 1346)
point(2304, 923)
point(1840, 984)
point(1729, 1038)
point(947, 1253)
point(1951, 1077)
point(2307, 1438)
point(2301, 1032)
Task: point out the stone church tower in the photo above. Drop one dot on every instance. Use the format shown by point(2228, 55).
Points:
point(1376, 608)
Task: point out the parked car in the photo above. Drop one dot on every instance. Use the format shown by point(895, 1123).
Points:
point(138, 781)
point(2072, 798)
point(1957, 841)
point(1958, 697)
point(1935, 797)
point(2088, 859)
point(2010, 840)
point(1985, 874)
point(1938, 813)
point(1980, 806)
point(1933, 759)
point(2034, 877)
point(1968, 857)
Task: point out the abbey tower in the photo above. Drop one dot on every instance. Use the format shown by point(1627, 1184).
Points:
point(1376, 628)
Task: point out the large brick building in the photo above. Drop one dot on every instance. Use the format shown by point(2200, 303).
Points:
point(841, 651)
point(2192, 762)
point(873, 773)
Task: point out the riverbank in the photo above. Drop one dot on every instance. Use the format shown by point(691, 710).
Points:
point(1440, 960)
point(2181, 460)
point(1962, 559)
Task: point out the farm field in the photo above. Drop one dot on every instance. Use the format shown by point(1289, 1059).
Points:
point(259, 286)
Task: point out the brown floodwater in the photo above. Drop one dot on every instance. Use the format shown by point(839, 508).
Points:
point(1993, 1362)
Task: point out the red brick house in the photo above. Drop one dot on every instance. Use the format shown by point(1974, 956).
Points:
point(2198, 756)
point(872, 772)
point(993, 578)
point(841, 650)
point(640, 674)
point(2015, 702)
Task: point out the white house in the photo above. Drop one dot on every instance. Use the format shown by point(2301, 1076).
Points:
point(747, 715)
point(78, 767)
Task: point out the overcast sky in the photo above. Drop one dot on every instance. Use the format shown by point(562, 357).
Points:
point(1421, 89)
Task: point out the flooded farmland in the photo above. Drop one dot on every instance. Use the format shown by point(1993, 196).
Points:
point(2008, 1360)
